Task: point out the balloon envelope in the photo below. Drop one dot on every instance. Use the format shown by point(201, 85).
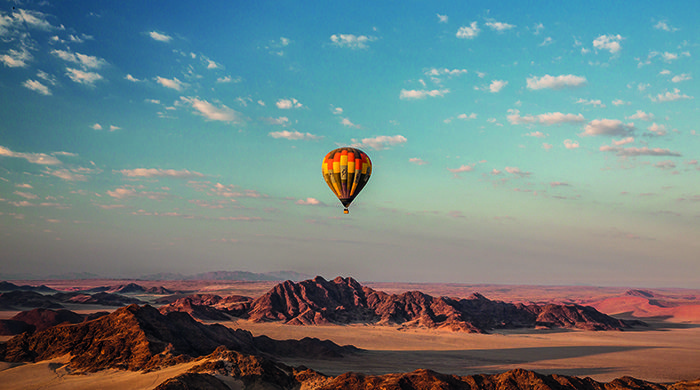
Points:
point(346, 171)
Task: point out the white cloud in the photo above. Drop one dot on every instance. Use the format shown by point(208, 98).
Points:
point(499, 26)
point(681, 77)
point(550, 118)
point(348, 123)
point(114, 128)
point(131, 78)
point(34, 158)
point(668, 57)
point(173, 83)
point(293, 135)
point(569, 144)
point(592, 102)
point(417, 161)
point(497, 85)
point(160, 37)
point(657, 129)
point(84, 60)
point(547, 41)
point(16, 58)
point(26, 195)
point(547, 146)
point(516, 171)
point(309, 202)
point(465, 116)
point(463, 168)
point(557, 82)
point(37, 86)
point(209, 111)
point(352, 41)
point(536, 134)
point(634, 151)
point(619, 102)
point(668, 164)
point(380, 142)
point(608, 42)
point(422, 93)
point(286, 104)
point(607, 127)
point(442, 18)
point(83, 77)
point(157, 172)
point(470, 32)
point(641, 115)
point(65, 174)
point(623, 141)
point(670, 96)
point(663, 25)
point(96, 126)
point(281, 121)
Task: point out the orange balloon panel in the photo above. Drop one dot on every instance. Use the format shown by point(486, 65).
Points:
point(346, 171)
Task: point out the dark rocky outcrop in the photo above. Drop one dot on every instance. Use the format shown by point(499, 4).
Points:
point(209, 306)
point(344, 300)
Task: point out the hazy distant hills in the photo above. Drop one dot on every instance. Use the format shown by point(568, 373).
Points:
point(230, 275)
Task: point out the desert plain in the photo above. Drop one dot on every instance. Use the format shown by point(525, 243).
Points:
point(666, 350)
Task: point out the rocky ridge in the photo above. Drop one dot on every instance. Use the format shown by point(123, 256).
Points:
point(344, 300)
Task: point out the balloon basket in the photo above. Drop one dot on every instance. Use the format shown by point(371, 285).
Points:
point(346, 211)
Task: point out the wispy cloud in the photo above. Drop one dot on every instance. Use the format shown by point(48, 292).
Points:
point(422, 93)
point(173, 83)
point(417, 161)
point(550, 118)
point(16, 58)
point(634, 151)
point(159, 36)
point(499, 26)
point(352, 41)
point(157, 172)
point(83, 77)
point(66, 174)
point(664, 26)
point(213, 112)
point(463, 168)
point(84, 60)
point(34, 158)
point(294, 135)
point(612, 127)
point(37, 86)
point(555, 82)
point(380, 142)
point(670, 96)
point(309, 202)
point(442, 18)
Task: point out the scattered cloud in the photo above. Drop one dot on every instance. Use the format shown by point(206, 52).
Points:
point(619, 102)
point(160, 37)
point(623, 141)
point(670, 96)
point(16, 58)
point(83, 77)
point(293, 135)
point(34, 158)
point(96, 126)
point(463, 168)
point(664, 26)
point(380, 142)
point(559, 184)
point(84, 60)
point(657, 129)
point(550, 118)
point(309, 202)
point(668, 164)
point(157, 172)
point(212, 112)
point(569, 144)
point(555, 82)
point(417, 161)
point(536, 134)
point(37, 86)
point(681, 77)
point(608, 42)
point(442, 18)
point(516, 171)
point(547, 146)
point(611, 127)
point(641, 115)
point(468, 32)
point(592, 102)
point(633, 151)
point(497, 85)
point(286, 104)
point(281, 121)
point(499, 26)
point(131, 78)
point(422, 94)
point(352, 41)
point(173, 83)
point(66, 174)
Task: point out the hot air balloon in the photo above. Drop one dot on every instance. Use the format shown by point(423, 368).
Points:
point(346, 171)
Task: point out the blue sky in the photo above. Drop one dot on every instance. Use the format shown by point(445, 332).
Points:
point(554, 143)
